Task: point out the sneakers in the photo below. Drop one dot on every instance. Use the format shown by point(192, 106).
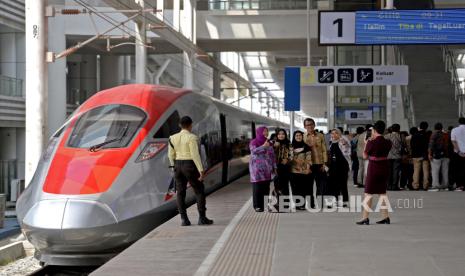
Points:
point(433, 190)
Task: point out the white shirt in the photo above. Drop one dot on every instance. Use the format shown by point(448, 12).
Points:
point(458, 135)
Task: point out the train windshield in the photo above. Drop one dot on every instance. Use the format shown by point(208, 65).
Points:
point(110, 126)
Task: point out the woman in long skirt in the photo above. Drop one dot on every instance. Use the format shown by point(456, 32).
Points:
point(262, 166)
point(339, 158)
point(301, 180)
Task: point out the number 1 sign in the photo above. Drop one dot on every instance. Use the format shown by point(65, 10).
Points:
point(337, 28)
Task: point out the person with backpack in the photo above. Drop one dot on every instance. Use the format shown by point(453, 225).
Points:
point(395, 157)
point(421, 165)
point(439, 157)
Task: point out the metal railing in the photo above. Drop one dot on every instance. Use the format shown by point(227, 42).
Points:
point(12, 87)
point(451, 67)
point(260, 4)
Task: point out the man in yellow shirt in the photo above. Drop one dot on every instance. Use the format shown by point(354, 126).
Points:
point(184, 156)
point(317, 143)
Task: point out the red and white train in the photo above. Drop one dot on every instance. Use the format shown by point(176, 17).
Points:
point(103, 181)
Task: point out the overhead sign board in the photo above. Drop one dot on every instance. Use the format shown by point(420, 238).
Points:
point(359, 115)
point(393, 27)
point(353, 75)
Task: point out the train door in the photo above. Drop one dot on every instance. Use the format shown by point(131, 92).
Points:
point(224, 149)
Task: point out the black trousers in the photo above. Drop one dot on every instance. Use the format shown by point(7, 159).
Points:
point(320, 178)
point(186, 171)
point(302, 185)
point(355, 168)
point(260, 191)
point(406, 175)
point(395, 174)
point(282, 182)
point(337, 181)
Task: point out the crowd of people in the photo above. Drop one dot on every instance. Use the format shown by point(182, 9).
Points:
point(378, 158)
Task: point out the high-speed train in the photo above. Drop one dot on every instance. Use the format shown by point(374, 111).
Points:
point(103, 181)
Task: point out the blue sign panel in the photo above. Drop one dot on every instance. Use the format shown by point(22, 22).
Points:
point(292, 89)
point(443, 26)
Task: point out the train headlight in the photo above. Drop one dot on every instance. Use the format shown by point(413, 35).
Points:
point(150, 150)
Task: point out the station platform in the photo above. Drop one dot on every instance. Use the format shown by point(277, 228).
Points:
point(424, 239)
point(10, 228)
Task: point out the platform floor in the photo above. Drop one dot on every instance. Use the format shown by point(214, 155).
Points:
point(10, 228)
point(425, 240)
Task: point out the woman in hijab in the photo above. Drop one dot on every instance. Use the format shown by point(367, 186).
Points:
point(300, 169)
point(262, 166)
point(282, 152)
point(339, 158)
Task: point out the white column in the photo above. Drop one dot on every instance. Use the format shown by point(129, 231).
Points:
point(56, 76)
point(36, 84)
point(176, 13)
point(161, 9)
point(292, 121)
point(187, 28)
point(88, 73)
point(331, 92)
point(111, 71)
point(127, 69)
point(217, 79)
point(141, 50)
point(384, 58)
point(188, 68)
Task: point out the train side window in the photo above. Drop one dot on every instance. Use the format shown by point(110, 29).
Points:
point(170, 127)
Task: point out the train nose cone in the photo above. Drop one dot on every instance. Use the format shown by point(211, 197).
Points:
point(68, 224)
point(68, 214)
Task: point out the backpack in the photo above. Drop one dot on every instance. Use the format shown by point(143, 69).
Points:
point(438, 149)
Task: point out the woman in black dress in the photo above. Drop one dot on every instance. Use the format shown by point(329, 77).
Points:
point(339, 166)
point(376, 151)
point(281, 148)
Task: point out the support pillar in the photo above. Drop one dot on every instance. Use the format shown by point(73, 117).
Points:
point(189, 63)
point(176, 14)
point(56, 111)
point(331, 92)
point(127, 69)
point(161, 9)
point(141, 50)
point(188, 27)
point(217, 79)
point(36, 84)
point(385, 56)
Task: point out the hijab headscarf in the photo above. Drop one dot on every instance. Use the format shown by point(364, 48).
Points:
point(285, 141)
point(301, 144)
point(259, 137)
